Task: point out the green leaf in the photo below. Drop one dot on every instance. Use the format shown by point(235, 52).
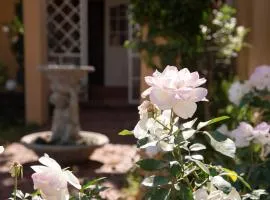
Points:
point(188, 133)
point(142, 142)
point(175, 168)
point(197, 147)
point(92, 182)
point(212, 121)
point(226, 147)
point(185, 192)
point(151, 164)
point(197, 157)
point(201, 165)
point(244, 182)
point(158, 194)
point(255, 195)
point(155, 181)
point(125, 132)
point(221, 183)
point(189, 124)
point(232, 174)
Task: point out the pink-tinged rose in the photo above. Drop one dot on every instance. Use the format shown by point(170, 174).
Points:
point(51, 180)
point(262, 133)
point(260, 78)
point(1, 149)
point(242, 135)
point(177, 90)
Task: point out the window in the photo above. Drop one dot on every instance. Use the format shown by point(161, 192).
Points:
point(118, 27)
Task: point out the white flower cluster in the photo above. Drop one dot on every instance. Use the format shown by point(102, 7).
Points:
point(244, 134)
point(157, 131)
point(225, 34)
point(259, 80)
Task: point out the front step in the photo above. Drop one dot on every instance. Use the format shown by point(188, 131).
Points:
point(101, 96)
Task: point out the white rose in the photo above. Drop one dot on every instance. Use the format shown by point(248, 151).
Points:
point(52, 180)
point(177, 90)
point(262, 133)
point(242, 135)
point(260, 78)
point(237, 91)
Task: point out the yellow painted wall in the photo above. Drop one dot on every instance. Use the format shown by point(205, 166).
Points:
point(35, 48)
point(254, 14)
point(6, 56)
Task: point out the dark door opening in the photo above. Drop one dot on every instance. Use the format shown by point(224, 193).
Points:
point(96, 41)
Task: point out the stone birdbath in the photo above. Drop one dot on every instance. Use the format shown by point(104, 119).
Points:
point(65, 142)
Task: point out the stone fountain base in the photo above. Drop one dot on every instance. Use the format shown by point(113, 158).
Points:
point(66, 154)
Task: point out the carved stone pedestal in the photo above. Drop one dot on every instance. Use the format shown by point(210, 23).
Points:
point(65, 142)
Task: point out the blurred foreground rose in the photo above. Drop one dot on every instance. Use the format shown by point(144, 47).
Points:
point(52, 181)
point(1, 149)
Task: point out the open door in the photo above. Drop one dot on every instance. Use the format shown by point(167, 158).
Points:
point(116, 33)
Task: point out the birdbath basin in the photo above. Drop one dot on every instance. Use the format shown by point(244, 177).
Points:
point(65, 142)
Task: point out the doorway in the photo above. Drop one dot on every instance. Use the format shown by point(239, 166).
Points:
point(96, 41)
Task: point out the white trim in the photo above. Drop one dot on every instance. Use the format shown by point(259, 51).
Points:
point(84, 42)
point(84, 31)
point(131, 76)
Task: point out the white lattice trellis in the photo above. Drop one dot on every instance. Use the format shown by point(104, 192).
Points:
point(67, 33)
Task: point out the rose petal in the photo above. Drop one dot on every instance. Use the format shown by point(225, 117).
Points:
point(185, 109)
point(49, 162)
point(162, 99)
point(198, 94)
point(73, 180)
point(146, 92)
point(39, 168)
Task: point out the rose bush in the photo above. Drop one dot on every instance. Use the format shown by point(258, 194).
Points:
point(250, 127)
point(174, 163)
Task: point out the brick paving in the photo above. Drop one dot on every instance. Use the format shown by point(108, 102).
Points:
point(112, 161)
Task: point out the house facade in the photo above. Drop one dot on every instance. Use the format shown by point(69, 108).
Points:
point(92, 32)
point(81, 32)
